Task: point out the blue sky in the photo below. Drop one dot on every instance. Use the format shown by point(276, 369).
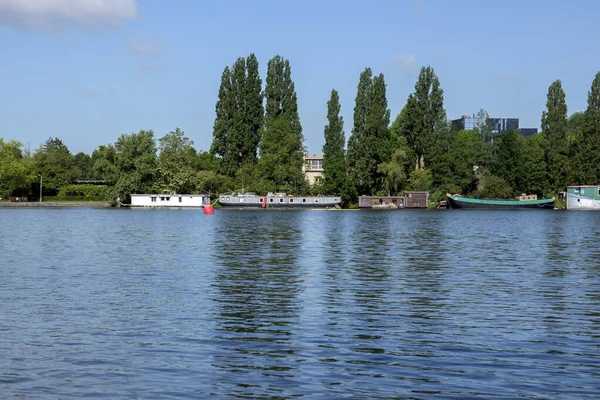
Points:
point(87, 71)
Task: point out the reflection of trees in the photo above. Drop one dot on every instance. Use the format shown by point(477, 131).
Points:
point(258, 283)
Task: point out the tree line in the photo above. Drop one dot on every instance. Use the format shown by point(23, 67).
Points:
point(257, 146)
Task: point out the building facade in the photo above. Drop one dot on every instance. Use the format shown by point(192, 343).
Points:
point(313, 169)
point(496, 125)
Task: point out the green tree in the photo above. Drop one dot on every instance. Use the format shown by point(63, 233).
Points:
point(16, 170)
point(532, 167)
point(493, 186)
point(555, 144)
point(239, 116)
point(335, 178)
point(507, 158)
point(370, 143)
point(136, 163)
point(424, 115)
point(82, 162)
point(281, 146)
point(103, 165)
point(467, 157)
point(175, 164)
point(588, 157)
point(56, 164)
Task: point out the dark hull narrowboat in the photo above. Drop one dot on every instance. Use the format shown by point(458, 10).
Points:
point(278, 200)
point(455, 201)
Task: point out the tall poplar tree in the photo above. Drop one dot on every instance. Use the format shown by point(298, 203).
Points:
point(555, 145)
point(589, 153)
point(423, 117)
point(239, 116)
point(369, 143)
point(334, 157)
point(281, 145)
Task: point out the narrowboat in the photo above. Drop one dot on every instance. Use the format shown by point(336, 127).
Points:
point(277, 200)
point(583, 197)
point(520, 202)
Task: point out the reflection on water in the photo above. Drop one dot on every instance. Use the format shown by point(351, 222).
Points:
point(261, 304)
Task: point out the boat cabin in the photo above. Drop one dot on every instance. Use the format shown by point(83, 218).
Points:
point(585, 197)
point(169, 200)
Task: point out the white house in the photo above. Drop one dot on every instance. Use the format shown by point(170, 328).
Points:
point(313, 169)
point(169, 200)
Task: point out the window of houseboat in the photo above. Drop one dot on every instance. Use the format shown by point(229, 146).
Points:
point(260, 200)
point(270, 200)
point(281, 200)
point(162, 198)
point(304, 200)
point(228, 199)
point(316, 200)
point(291, 200)
point(153, 199)
point(180, 199)
point(168, 198)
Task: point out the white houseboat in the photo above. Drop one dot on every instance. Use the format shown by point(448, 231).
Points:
point(585, 197)
point(170, 200)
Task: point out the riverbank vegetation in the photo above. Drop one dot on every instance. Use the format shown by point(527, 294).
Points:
point(258, 146)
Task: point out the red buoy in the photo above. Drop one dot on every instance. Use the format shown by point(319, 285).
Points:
point(208, 209)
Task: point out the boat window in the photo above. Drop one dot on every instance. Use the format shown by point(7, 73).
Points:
point(260, 200)
point(228, 199)
point(168, 198)
point(316, 200)
point(576, 190)
point(270, 200)
point(281, 200)
point(304, 200)
point(180, 199)
point(222, 198)
point(153, 199)
point(291, 200)
point(162, 198)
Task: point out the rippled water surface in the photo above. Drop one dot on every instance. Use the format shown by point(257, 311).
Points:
point(157, 304)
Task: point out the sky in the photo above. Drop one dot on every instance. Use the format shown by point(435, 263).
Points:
point(87, 71)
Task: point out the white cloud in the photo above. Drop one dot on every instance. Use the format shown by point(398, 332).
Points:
point(143, 48)
point(407, 64)
point(53, 14)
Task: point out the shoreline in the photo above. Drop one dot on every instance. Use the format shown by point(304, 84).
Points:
point(32, 204)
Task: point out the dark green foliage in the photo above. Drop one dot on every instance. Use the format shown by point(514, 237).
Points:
point(507, 155)
point(16, 170)
point(588, 154)
point(493, 186)
point(130, 164)
point(239, 116)
point(335, 178)
point(532, 175)
point(56, 164)
point(281, 146)
point(424, 116)
point(82, 162)
point(95, 191)
point(281, 158)
point(554, 128)
point(176, 173)
point(467, 156)
point(370, 143)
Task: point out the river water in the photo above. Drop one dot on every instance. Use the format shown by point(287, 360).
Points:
point(160, 304)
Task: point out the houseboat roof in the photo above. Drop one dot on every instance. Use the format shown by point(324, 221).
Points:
point(167, 194)
point(584, 186)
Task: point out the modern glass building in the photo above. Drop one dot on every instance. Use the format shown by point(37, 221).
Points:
point(497, 125)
